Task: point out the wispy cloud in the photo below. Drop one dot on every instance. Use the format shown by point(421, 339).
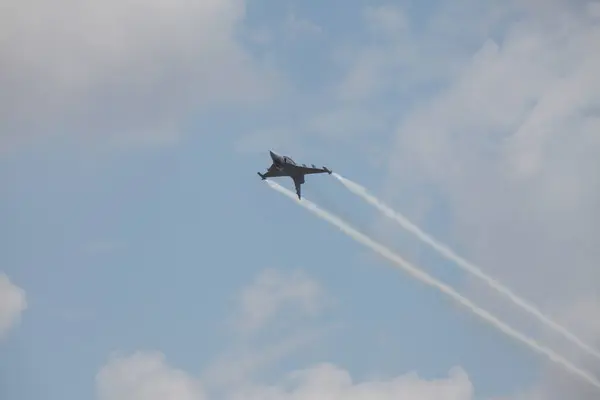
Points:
point(274, 293)
point(297, 27)
point(146, 373)
point(233, 376)
point(388, 19)
point(241, 365)
point(12, 304)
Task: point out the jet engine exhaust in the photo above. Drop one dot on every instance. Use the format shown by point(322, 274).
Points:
point(422, 276)
point(465, 265)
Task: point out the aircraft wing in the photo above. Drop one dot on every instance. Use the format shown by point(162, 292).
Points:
point(314, 170)
point(298, 185)
point(272, 172)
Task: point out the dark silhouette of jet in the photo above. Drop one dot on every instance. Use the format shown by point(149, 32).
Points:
point(285, 166)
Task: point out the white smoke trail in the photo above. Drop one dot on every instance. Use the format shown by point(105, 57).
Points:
point(429, 280)
point(465, 265)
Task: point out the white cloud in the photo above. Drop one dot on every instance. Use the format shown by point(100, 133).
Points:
point(128, 70)
point(273, 292)
point(399, 58)
point(239, 365)
point(12, 304)
point(233, 376)
point(327, 381)
point(511, 144)
point(581, 316)
point(145, 376)
point(148, 376)
point(273, 297)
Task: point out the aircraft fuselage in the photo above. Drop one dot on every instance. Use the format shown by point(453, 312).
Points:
point(285, 166)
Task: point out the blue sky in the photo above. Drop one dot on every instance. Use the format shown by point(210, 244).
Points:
point(136, 227)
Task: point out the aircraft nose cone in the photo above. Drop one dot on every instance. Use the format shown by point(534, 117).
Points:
point(273, 155)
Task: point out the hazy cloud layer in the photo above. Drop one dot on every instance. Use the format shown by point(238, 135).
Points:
point(128, 71)
point(511, 143)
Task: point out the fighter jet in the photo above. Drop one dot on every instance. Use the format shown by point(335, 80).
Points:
point(285, 166)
